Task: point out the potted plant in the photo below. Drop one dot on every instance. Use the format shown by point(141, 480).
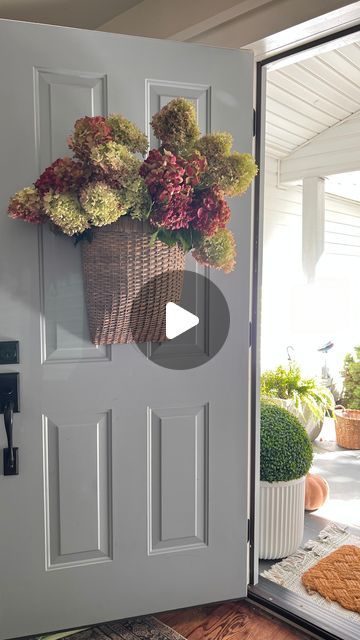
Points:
point(285, 458)
point(139, 217)
point(347, 420)
point(306, 398)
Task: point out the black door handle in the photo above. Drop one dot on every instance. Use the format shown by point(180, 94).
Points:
point(9, 424)
point(10, 455)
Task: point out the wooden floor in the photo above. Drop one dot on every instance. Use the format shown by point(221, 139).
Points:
point(228, 621)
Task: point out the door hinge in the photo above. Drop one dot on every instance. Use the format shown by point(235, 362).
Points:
point(248, 530)
point(250, 334)
point(254, 123)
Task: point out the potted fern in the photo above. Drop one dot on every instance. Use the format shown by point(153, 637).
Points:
point(306, 398)
point(285, 458)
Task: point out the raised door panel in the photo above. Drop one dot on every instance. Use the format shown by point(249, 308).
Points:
point(60, 99)
point(78, 495)
point(178, 473)
point(195, 294)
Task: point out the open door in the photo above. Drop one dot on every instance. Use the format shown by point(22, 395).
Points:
point(132, 495)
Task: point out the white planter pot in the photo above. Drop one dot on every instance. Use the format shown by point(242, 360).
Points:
point(281, 517)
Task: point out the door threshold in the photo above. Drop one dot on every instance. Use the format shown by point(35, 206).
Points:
point(306, 615)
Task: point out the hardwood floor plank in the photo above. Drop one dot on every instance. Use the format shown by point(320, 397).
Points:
point(228, 621)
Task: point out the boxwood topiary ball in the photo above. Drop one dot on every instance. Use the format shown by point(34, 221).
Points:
point(286, 452)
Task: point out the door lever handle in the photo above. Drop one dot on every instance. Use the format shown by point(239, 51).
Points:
point(9, 425)
point(10, 455)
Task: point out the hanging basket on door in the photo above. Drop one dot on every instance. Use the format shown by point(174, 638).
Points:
point(138, 218)
point(118, 266)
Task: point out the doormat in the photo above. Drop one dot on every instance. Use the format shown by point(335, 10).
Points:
point(337, 577)
point(287, 573)
point(147, 628)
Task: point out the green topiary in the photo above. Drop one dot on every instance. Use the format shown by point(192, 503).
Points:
point(351, 373)
point(285, 448)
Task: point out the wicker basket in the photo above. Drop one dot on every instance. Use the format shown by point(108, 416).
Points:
point(117, 265)
point(347, 427)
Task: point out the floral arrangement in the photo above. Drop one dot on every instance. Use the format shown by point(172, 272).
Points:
point(180, 189)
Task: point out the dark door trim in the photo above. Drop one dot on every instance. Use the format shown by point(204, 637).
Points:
point(283, 602)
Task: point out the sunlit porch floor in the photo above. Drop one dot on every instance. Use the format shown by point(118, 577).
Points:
point(341, 468)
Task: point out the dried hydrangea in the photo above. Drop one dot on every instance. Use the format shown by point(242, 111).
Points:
point(176, 125)
point(115, 164)
point(210, 211)
point(89, 131)
point(165, 177)
point(218, 251)
point(27, 205)
point(102, 204)
point(231, 172)
point(65, 174)
point(65, 211)
point(238, 172)
point(138, 200)
point(214, 145)
point(125, 132)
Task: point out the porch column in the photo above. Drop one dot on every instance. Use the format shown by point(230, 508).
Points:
point(313, 224)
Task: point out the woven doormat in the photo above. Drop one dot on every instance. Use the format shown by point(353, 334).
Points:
point(146, 628)
point(337, 577)
point(288, 572)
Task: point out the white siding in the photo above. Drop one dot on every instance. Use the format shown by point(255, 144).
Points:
point(293, 312)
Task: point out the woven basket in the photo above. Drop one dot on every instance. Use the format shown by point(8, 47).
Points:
point(117, 265)
point(347, 427)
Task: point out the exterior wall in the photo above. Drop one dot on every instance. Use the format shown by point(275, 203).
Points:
point(300, 314)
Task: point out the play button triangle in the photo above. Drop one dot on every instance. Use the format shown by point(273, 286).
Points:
point(178, 320)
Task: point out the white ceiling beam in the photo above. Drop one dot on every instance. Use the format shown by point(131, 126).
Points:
point(313, 225)
point(233, 23)
point(335, 150)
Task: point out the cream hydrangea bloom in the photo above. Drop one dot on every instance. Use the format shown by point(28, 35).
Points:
point(102, 204)
point(65, 211)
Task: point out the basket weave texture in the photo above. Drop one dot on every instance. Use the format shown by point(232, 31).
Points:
point(347, 427)
point(127, 282)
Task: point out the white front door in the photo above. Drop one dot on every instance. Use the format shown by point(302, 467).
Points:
point(133, 483)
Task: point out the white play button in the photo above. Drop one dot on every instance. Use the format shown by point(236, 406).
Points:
point(178, 320)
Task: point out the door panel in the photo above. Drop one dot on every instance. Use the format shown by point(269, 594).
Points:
point(178, 480)
point(77, 483)
point(132, 493)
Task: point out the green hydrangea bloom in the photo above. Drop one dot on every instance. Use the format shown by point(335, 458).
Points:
point(66, 213)
point(127, 133)
point(138, 200)
point(102, 204)
point(175, 125)
point(231, 172)
point(115, 164)
point(218, 250)
point(238, 171)
point(214, 145)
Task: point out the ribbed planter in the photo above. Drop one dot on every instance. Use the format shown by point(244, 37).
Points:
point(281, 517)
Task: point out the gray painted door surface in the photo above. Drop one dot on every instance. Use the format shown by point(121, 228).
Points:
point(132, 493)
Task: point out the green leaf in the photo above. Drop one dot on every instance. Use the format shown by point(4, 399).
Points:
point(154, 237)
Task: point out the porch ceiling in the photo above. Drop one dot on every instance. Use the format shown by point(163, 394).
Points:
point(307, 98)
